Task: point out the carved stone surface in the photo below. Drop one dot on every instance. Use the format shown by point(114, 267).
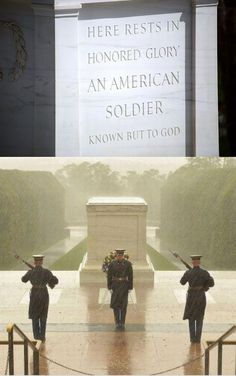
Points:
point(19, 64)
point(109, 78)
point(118, 222)
point(147, 82)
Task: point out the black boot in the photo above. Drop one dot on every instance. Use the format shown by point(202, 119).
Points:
point(116, 316)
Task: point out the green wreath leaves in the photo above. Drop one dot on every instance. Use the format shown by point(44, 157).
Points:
point(109, 258)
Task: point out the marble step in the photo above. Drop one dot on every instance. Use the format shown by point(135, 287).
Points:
point(93, 273)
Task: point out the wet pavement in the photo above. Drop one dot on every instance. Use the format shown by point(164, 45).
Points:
point(82, 338)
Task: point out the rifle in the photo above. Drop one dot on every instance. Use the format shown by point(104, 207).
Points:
point(25, 262)
point(51, 283)
point(180, 258)
point(206, 288)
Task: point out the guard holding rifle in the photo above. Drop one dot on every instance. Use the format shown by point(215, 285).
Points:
point(120, 282)
point(39, 298)
point(199, 281)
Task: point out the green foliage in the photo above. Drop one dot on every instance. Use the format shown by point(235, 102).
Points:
point(159, 262)
point(72, 259)
point(32, 213)
point(109, 258)
point(199, 213)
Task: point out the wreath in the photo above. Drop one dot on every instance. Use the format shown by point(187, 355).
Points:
point(109, 258)
point(21, 55)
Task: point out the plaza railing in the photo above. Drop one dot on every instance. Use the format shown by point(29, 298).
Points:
point(219, 343)
point(27, 343)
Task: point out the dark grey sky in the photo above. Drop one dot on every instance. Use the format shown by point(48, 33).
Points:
point(122, 164)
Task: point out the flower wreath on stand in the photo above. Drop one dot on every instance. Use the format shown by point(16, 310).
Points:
point(109, 258)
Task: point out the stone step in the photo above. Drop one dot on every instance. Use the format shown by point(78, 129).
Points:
point(93, 274)
point(136, 266)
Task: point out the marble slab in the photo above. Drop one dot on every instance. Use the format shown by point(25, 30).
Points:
point(109, 78)
point(116, 223)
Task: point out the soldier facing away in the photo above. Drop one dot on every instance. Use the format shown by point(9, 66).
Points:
point(39, 298)
point(120, 282)
point(199, 281)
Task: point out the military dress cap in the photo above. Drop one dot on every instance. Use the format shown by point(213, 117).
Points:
point(38, 257)
point(196, 257)
point(120, 251)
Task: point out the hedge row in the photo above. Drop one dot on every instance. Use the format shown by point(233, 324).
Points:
point(199, 214)
point(32, 213)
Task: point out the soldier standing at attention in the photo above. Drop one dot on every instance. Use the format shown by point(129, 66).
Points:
point(120, 281)
point(39, 298)
point(199, 281)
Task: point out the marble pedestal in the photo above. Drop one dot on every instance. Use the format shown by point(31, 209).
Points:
point(91, 273)
point(116, 222)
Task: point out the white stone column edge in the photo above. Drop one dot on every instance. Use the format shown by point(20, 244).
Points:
point(81, 266)
point(67, 82)
point(205, 85)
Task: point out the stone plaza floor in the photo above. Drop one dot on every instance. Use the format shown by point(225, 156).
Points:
point(81, 334)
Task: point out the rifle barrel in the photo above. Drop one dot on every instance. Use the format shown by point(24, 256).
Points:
point(25, 262)
point(180, 258)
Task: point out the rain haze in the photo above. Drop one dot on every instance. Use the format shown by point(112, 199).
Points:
point(164, 165)
point(188, 201)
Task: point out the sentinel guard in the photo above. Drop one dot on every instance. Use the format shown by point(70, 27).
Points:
point(39, 298)
point(199, 281)
point(120, 282)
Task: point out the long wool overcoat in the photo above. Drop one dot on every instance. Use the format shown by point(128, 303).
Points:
point(39, 298)
point(199, 281)
point(120, 289)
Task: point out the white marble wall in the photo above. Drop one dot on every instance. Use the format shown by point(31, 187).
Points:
point(205, 82)
point(188, 124)
point(54, 107)
point(118, 222)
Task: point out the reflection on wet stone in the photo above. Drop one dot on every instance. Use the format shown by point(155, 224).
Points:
point(43, 362)
point(118, 358)
point(194, 367)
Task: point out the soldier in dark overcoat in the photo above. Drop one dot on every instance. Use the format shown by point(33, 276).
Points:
point(199, 281)
point(120, 282)
point(39, 298)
